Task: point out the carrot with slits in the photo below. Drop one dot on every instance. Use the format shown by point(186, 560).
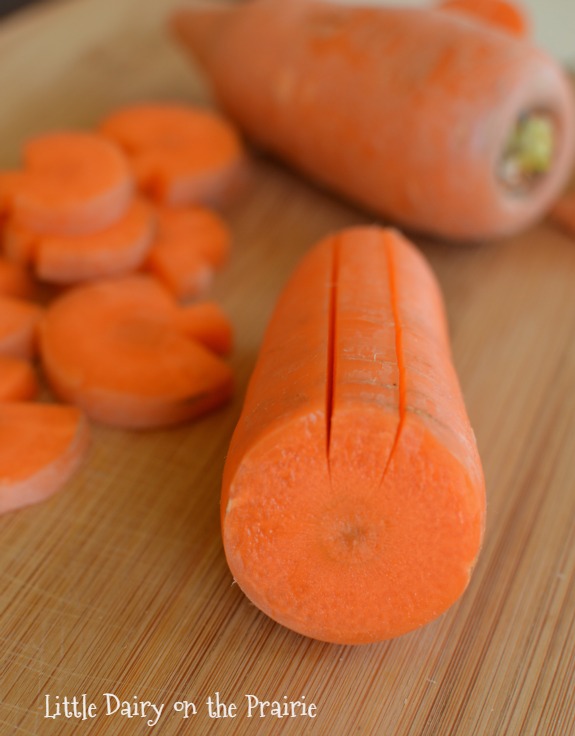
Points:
point(502, 14)
point(353, 496)
point(18, 327)
point(180, 154)
point(116, 349)
point(434, 122)
point(17, 379)
point(41, 446)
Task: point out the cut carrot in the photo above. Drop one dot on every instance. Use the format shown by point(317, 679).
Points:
point(115, 251)
point(471, 139)
point(41, 446)
point(15, 280)
point(133, 366)
point(563, 213)
point(503, 14)
point(17, 380)
point(353, 495)
point(180, 154)
point(190, 243)
point(18, 327)
point(72, 184)
point(18, 242)
point(207, 323)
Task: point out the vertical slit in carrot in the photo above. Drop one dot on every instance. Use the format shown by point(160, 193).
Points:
point(331, 342)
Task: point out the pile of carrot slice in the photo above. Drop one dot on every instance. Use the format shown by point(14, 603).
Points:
point(118, 224)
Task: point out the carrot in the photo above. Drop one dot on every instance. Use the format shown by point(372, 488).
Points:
point(72, 184)
point(17, 380)
point(18, 327)
point(191, 242)
point(207, 323)
point(563, 213)
point(114, 251)
point(353, 496)
point(15, 280)
point(180, 154)
point(503, 14)
point(115, 349)
point(420, 116)
point(42, 445)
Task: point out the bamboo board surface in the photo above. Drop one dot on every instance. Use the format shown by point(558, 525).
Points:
point(119, 584)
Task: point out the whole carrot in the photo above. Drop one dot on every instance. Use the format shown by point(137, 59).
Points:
point(436, 123)
point(353, 495)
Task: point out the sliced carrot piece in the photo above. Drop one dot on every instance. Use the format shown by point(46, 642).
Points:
point(207, 323)
point(18, 327)
point(17, 379)
point(180, 268)
point(73, 183)
point(503, 14)
point(195, 228)
point(353, 498)
point(41, 446)
point(15, 280)
point(19, 242)
point(563, 213)
point(117, 250)
point(180, 154)
point(133, 366)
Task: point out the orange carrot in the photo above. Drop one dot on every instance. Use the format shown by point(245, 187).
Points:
point(15, 280)
point(439, 124)
point(190, 243)
point(207, 323)
point(72, 184)
point(180, 154)
point(17, 380)
point(18, 327)
point(353, 495)
point(115, 349)
point(114, 251)
point(563, 213)
point(18, 242)
point(503, 14)
point(42, 446)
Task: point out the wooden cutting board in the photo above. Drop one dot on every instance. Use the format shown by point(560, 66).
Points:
point(119, 584)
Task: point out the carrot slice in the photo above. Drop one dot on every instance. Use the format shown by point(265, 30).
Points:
point(117, 250)
point(563, 213)
point(41, 446)
point(15, 280)
point(180, 154)
point(17, 379)
point(19, 242)
point(18, 327)
point(503, 14)
point(190, 243)
point(133, 367)
point(72, 184)
point(207, 323)
point(353, 496)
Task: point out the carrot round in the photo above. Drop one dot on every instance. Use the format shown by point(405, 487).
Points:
point(42, 446)
point(18, 327)
point(180, 154)
point(17, 380)
point(353, 495)
point(18, 242)
point(15, 280)
point(73, 183)
point(115, 349)
point(114, 251)
point(503, 14)
point(436, 123)
point(207, 323)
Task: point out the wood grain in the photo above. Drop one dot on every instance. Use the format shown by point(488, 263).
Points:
point(120, 585)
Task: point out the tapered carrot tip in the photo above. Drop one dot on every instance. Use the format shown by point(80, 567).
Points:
point(15, 280)
point(353, 495)
point(19, 321)
point(42, 446)
point(17, 380)
point(134, 367)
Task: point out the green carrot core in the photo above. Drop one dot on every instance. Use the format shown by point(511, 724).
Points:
point(529, 152)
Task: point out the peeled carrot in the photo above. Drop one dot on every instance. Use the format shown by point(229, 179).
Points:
point(353, 495)
point(436, 123)
point(503, 14)
point(115, 349)
point(190, 243)
point(15, 280)
point(17, 380)
point(18, 327)
point(180, 154)
point(41, 446)
point(73, 183)
point(207, 323)
point(114, 251)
